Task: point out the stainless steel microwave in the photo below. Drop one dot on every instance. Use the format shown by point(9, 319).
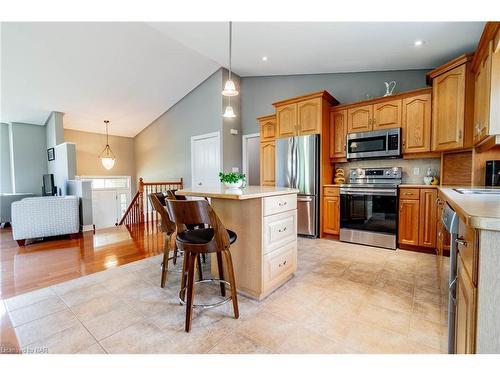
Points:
point(376, 144)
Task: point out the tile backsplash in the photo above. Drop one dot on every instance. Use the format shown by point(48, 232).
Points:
point(408, 166)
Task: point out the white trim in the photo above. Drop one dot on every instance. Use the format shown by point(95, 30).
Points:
point(11, 156)
point(244, 163)
point(195, 138)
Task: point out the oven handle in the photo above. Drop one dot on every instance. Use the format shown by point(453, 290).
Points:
point(385, 192)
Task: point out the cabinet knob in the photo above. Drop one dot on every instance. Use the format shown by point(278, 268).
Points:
point(459, 134)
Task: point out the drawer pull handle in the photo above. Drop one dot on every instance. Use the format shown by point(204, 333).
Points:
point(282, 264)
point(461, 241)
point(282, 230)
point(407, 193)
point(281, 204)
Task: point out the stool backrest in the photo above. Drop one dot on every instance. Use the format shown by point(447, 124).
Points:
point(167, 225)
point(171, 195)
point(195, 212)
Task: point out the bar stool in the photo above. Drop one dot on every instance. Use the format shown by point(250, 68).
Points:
point(168, 228)
point(214, 239)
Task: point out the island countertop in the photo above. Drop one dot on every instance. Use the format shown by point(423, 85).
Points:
point(249, 192)
point(480, 211)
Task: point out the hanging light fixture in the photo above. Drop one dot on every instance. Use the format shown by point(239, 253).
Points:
point(229, 112)
point(107, 156)
point(230, 87)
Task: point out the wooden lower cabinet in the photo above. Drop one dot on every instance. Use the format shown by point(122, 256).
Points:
point(418, 215)
point(428, 218)
point(442, 235)
point(267, 163)
point(409, 210)
point(465, 319)
point(331, 215)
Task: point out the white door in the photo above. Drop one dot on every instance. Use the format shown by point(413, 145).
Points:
point(205, 159)
point(105, 208)
point(251, 158)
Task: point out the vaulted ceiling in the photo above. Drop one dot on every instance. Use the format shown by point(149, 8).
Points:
point(132, 72)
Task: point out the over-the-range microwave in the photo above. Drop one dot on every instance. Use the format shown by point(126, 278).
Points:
point(375, 144)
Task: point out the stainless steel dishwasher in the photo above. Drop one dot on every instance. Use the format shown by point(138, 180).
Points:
point(450, 222)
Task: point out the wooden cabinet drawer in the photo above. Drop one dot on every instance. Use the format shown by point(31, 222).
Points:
point(279, 230)
point(280, 203)
point(407, 193)
point(331, 191)
point(279, 265)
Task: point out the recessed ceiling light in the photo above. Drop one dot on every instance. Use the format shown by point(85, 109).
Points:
point(419, 43)
point(264, 58)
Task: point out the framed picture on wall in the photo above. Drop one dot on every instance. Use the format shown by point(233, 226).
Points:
point(51, 154)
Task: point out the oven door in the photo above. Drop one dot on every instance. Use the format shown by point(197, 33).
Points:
point(366, 209)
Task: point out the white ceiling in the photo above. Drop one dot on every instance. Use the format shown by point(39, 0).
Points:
point(326, 47)
point(130, 73)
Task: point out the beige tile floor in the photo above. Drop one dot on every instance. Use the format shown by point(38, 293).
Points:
point(344, 298)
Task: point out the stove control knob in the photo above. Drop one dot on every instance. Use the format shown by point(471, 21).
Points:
point(387, 173)
point(395, 171)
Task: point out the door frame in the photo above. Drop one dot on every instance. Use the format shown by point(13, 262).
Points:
point(195, 138)
point(244, 161)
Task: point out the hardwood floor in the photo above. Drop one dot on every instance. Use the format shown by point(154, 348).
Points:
point(44, 263)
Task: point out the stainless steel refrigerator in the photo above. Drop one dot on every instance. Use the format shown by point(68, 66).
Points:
point(297, 166)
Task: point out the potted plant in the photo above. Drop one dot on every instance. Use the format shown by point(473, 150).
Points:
point(232, 180)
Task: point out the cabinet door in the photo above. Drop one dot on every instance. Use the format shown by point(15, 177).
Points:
point(267, 130)
point(359, 119)
point(408, 221)
point(448, 109)
point(482, 80)
point(465, 320)
point(267, 163)
point(428, 218)
point(331, 218)
point(440, 228)
point(387, 115)
point(338, 134)
point(286, 117)
point(417, 124)
point(309, 116)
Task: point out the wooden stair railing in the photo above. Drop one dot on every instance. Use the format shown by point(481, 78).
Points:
point(139, 209)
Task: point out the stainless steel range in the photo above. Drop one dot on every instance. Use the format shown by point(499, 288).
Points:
point(369, 207)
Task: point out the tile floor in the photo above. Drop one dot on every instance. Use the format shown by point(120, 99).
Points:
point(344, 298)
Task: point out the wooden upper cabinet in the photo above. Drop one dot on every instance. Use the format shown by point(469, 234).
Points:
point(428, 218)
point(309, 116)
point(359, 119)
point(452, 104)
point(408, 221)
point(267, 128)
point(482, 86)
point(286, 120)
point(387, 115)
point(267, 163)
point(338, 134)
point(416, 120)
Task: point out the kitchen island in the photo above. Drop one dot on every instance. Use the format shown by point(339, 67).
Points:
point(265, 220)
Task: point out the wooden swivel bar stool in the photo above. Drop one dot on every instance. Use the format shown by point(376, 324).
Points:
point(214, 239)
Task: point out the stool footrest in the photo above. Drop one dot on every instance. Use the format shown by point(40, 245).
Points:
point(211, 305)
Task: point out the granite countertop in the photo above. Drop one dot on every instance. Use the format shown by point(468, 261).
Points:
point(249, 192)
point(479, 211)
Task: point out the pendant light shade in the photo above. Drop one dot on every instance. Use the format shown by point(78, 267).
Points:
point(230, 87)
point(229, 112)
point(107, 156)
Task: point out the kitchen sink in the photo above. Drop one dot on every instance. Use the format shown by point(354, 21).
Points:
point(494, 191)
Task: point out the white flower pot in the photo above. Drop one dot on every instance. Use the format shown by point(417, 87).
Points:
point(234, 185)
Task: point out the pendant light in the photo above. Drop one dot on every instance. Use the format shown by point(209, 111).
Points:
point(230, 87)
point(229, 112)
point(107, 156)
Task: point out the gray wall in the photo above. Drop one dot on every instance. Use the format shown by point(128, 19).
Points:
point(54, 129)
point(30, 157)
point(163, 149)
point(5, 180)
point(258, 93)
